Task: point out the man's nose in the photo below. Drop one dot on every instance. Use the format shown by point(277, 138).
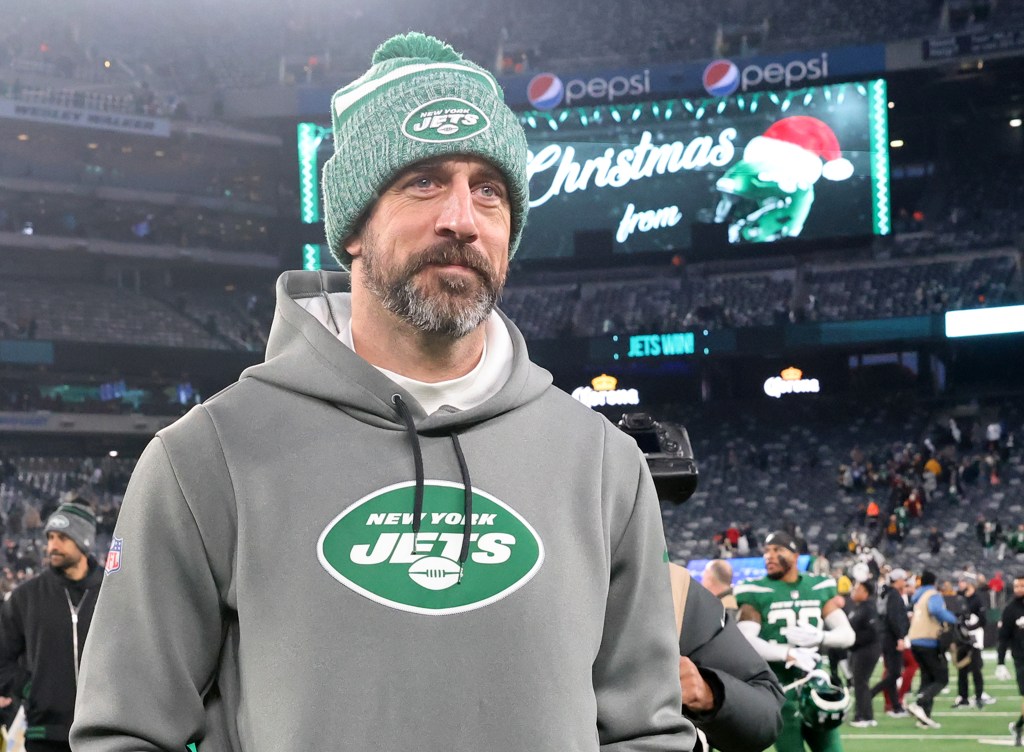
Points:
point(457, 218)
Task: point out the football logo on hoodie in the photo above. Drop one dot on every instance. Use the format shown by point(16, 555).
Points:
point(372, 549)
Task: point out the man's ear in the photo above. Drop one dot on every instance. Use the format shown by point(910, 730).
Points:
point(354, 246)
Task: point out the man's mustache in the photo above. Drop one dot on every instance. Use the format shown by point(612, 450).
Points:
point(459, 254)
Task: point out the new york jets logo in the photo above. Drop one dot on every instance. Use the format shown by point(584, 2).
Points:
point(445, 120)
point(371, 548)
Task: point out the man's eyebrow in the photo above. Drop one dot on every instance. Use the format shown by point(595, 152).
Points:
point(440, 164)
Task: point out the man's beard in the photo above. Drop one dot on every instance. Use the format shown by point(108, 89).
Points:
point(62, 564)
point(455, 309)
point(784, 566)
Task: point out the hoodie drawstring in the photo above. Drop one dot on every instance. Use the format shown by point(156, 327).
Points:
point(467, 503)
point(467, 484)
point(417, 456)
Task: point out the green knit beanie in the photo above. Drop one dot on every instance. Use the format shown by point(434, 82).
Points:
point(419, 99)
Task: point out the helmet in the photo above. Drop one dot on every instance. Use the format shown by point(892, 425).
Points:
point(822, 704)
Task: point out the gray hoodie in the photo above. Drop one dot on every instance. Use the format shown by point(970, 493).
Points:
point(293, 571)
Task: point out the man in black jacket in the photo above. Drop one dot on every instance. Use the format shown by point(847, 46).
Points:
point(43, 627)
point(971, 613)
point(865, 651)
point(1011, 637)
point(895, 623)
point(729, 692)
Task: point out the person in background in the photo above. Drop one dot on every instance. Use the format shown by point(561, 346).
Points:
point(789, 617)
point(729, 692)
point(971, 609)
point(717, 578)
point(1011, 638)
point(996, 585)
point(44, 626)
point(909, 661)
point(926, 625)
point(894, 626)
point(865, 651)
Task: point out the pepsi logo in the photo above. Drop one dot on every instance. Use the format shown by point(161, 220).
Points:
point(721, 78)
point(545, 91)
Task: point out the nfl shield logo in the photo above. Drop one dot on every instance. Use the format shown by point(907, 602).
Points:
point(114, 555)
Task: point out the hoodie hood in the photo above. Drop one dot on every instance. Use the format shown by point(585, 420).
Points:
point(304, 357)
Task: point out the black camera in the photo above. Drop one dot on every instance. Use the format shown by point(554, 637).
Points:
point(666, 447)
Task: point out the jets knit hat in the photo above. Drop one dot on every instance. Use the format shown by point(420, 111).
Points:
point(419, 99)
point(76, 521)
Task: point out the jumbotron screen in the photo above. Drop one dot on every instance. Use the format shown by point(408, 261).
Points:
point(702, 177)
point(673, 175)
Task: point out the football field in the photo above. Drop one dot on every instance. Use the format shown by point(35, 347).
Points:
point(966, 729)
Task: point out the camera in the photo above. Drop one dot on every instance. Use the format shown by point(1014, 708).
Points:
point(666, 447)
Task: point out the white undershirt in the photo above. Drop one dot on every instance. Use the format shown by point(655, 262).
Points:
point(462, 393)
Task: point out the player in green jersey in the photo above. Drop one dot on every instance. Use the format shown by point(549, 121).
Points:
point(788, 616)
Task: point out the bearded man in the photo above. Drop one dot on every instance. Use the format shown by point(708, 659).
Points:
point(788, 616)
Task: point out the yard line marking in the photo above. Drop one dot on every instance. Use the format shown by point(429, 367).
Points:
point(958, 737)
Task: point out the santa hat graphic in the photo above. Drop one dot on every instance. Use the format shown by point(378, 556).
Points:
point(816, 137)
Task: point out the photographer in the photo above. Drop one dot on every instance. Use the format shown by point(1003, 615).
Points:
point(729, 692)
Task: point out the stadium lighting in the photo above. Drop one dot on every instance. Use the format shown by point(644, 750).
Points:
point(1015, 123)
point(984, 321)
point(896, 143)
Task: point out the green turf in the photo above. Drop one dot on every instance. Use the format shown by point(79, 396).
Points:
point(968, 729)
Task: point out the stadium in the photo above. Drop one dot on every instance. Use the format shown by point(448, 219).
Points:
point(791, 235)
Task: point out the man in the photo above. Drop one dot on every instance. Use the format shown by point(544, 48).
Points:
point(44, 625)
point(926, 626)
point(865, 651)
point(1011, 637)
point(972, 616)
point(729, 692)
point(909, 662)
point(788, 617)
point(717, 578)
point(394, 533)
point(895, 624)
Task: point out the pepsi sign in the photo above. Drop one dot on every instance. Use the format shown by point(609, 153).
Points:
point(546, 90)
point(722, 77)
